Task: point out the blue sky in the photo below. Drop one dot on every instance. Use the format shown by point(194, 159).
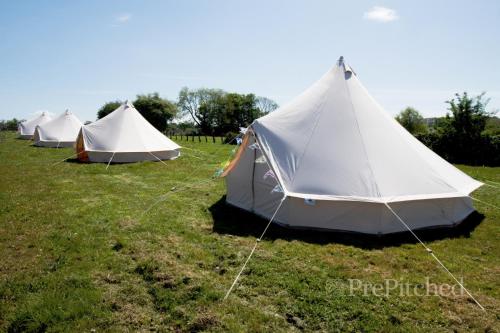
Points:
point(80, 54)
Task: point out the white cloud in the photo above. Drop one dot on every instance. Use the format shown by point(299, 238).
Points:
point(122, 19)
point(381, 14)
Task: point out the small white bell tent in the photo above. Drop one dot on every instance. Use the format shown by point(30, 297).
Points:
point(338, 160)
point(124, 136)
point(26, 129)
point(59, 132)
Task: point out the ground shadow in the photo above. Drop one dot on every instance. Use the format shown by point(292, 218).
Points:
point(76, 160)
point(234, 221)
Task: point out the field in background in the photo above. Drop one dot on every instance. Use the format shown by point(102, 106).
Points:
point(82, 248)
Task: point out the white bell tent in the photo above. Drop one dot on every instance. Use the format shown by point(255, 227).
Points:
point(26, 129)
point(334, 159)
point(59, 132)
point(124, 136)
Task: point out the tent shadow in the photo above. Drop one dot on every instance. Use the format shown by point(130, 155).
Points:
point(238, 222)
point(75, 160)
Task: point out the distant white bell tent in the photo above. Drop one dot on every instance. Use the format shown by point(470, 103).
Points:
point(26, 129)
point(124, 136)
point(334, 159)
point(59, 132)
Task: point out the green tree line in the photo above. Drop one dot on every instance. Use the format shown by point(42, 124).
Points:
point(200, 111)
point(468, 134)
point(9, 125)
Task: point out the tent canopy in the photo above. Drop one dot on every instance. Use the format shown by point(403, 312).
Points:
point(125, 135)
point(339, 158)
point(336, 141)
point(59, 132)
point(27, 128)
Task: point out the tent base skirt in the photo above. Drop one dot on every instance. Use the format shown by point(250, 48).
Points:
point(131, 157)
point(363, 217)
point(55, 144)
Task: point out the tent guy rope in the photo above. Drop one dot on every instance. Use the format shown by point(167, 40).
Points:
point(493, 186)
point(192, 155)
point(257, 241)
point(490, 181)
point(485, 203)
point(175, 189)
point(156, 157)
point(429, 250)
point(67, 158)
point(107, 166)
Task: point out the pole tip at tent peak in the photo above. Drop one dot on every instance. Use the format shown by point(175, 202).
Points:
point(128, 104)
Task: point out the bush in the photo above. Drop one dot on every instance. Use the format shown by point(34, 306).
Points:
point(485, 150)
point(461, 137)
point(412, 120)
point(9, 125)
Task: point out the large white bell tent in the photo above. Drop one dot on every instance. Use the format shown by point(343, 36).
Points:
point(26, 129)
point(59, 132)
point(334, 159)
point(124, 136)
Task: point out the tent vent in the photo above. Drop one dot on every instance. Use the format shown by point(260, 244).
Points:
point(310, 202)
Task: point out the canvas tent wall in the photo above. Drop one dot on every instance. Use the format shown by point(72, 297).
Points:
point(340, 158)
point(26, 129)
point(124, 136)
point(59, 132)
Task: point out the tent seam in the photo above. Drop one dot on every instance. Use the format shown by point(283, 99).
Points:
point(362, 138)
point(437, 174)
point(299, 161)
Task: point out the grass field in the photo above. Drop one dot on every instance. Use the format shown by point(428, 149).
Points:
point(83, 249)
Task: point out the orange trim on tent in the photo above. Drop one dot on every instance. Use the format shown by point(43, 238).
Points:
point(238, 155)
point(80, 148)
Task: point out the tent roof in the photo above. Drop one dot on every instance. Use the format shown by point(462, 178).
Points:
point(125, 130)
point(335, 141)
point(28, 127)
point(63, 128)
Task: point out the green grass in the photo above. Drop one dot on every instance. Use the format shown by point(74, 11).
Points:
point(79, 253)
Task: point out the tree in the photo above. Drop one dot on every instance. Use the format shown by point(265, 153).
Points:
point(266, 105)
point(217, 112)
point(461, 131)
point(9, 125)
point(235, 111)
point(492, 126)
point(108, 108)
point(468, 116)
point(460, 137)
point(183, 127)
point(190, 101)
point(412, 120)
point(158, 111)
